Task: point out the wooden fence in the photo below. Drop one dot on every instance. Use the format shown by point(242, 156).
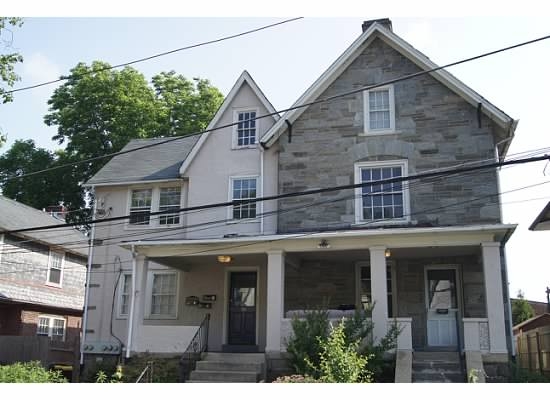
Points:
point(43, 349)
point(533, 350)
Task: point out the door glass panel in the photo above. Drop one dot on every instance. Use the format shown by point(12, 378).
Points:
point(244, 297)
point(441, 289)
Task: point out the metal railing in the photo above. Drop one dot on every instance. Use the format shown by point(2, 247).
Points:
point(196, 347)
point(146, 375)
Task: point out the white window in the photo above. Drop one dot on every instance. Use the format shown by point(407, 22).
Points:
point(162, 299)
point(140, 206)
point(55, 268)
point(365, 287)
point(381, 202)
point(245, 129)
point(244, 189)
point(170, 198)
point(51, 326)
point(124, 294)
point(379, 110)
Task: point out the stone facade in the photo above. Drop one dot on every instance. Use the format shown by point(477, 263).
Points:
point(435, 128)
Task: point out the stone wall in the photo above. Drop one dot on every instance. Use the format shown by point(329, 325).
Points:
point(435, 128)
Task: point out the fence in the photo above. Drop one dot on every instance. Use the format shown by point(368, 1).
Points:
point(50, 353)
point(533, 350)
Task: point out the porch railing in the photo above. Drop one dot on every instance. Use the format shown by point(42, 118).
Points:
point(476, 334)
point(197, 345)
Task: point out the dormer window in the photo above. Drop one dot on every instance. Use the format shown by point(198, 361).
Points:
point(379, 109)
point(245, 133)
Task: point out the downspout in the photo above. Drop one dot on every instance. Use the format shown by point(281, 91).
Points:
point(262, 180)
point(132, 304)
point(88, 277)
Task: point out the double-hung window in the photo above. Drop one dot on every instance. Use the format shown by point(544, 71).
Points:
point(140, 206)
point(379, 109)
point(244, 189)
point(51, 326)
point(162, 292)
point(246, 128)
point(169, 200)
point(124, 296)
point(365, 287)
point(383, 197)
point(55, 268)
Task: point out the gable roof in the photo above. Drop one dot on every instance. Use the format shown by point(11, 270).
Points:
point(15, 215)
point(541, 320)
point(155, 163)
point(244, 78)
point(352, 52)
point(542, 222)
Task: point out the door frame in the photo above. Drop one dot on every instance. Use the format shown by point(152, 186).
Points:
point(459, 312)
point(227, 283)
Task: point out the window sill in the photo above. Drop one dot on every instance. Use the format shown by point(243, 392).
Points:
point(150, 227)
point(160, 317)
point(54, 285)
point(380, 133)
point(243, 221)
point(381, 223)
point(250, 146)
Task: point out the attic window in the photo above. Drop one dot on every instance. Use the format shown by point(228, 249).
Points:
point(245, 129)
point(379, 109)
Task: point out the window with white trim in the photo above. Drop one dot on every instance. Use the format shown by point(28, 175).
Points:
point(162, 297)
point(170, 198)
point(245, 129)
point(124, 294)
point(140, 206)
point(55, 268)
point(244, 189)
point(381, 202)
point(51, 326)
point(379, 110)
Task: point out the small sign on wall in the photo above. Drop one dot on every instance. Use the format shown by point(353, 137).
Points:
point(208, 297)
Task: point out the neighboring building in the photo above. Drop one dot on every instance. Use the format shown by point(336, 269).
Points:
point(428, 252)
point(42, 275)
point(532, 323)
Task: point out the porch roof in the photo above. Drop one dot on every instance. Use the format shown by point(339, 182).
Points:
point(333, 240)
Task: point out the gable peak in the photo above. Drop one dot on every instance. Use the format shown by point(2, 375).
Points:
point(385, 22)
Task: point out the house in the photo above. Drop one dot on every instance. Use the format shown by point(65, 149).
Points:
point(427, 252)
point(42, 277)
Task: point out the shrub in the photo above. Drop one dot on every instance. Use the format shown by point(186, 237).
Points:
point(29, 372)
point(295, 379)
point(116, 377)
point(339, 360)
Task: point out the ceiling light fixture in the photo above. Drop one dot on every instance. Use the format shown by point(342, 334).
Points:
point(387, 253)
point(224, 259)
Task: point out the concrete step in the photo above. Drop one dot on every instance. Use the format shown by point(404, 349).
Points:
point(224, 376)
point(245, 358)
point(228, 366)
point(443, 356)
point(438, 377)
point(436, 366)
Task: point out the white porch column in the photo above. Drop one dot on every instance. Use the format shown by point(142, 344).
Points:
point(135, 318)
point(275, 299)
point(493, 294)
point(379, 291)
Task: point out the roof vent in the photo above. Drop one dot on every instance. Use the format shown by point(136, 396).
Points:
point(385, 22)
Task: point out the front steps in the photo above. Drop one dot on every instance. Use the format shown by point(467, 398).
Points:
point(443, 367)
point(229, 367)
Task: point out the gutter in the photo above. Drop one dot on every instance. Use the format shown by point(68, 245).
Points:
point(88, 277)
point(262, 180)
point(132, 304)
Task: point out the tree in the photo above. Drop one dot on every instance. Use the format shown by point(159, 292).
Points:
point(521, 309)
point(10, 58)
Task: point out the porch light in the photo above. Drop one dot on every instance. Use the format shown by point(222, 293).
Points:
point(224, 259)
point(387, 253)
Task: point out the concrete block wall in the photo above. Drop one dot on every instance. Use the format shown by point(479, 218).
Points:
point(435, 128)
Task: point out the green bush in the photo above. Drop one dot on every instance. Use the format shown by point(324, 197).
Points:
point(339, 360)
point(29, 372)
point(295, 379)
point(304, 343)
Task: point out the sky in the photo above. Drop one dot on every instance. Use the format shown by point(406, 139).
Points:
point(285, 60)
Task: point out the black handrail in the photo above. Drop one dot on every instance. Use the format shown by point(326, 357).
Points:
point(196, 347)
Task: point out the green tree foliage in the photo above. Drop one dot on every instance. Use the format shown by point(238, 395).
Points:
point(8, 57)
point(521, 309)
point(29, 372)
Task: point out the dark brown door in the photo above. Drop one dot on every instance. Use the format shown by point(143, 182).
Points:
point(242, 308)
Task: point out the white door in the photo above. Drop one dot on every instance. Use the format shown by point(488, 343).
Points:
point(442, 306)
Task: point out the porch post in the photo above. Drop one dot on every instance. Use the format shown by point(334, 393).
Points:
point(275, 299)
point(379, 291)
point(139, 272)
point(493, 294)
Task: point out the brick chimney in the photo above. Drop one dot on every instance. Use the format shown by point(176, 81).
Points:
point(385, 22)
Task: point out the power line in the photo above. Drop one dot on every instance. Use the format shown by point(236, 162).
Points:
point(296, 194)
point(64, 78)
point(318, 101)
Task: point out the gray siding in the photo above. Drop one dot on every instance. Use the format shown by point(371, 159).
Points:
point(435, 128)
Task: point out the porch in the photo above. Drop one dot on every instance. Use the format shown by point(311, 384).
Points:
point(443, 286)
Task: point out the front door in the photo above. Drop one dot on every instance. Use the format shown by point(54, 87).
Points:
point(242, 309)
point(442, 307)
